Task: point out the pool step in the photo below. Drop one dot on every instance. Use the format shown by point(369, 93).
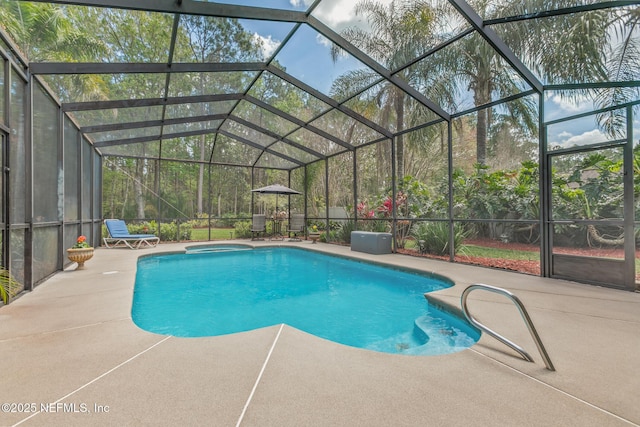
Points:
point(441, 336)
point(208, 249)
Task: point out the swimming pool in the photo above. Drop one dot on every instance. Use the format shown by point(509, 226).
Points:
point(217, 292)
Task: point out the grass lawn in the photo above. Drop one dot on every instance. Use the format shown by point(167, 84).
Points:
point(483, 251)
point(216, 233)
point(488, 252)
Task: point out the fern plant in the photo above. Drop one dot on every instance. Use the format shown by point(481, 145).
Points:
point(433, 237)
point(343, 234)
point(9, 287)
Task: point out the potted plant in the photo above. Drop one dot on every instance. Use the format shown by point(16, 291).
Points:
point(314, 233)
point(80, 252)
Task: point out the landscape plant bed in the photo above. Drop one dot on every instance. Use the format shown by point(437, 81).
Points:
point(522, 266)
point(521, 251)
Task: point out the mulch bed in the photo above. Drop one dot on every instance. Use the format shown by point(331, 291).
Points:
point(522, 266)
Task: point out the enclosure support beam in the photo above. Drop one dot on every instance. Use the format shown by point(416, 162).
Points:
point(326, 195)
point(354, 163)
point(452, 248)
point(546, 233)
point(193, 7)
point(629, 206)
point(394, 182)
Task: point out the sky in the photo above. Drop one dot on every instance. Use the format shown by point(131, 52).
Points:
point(307, 55)
point(577, 132)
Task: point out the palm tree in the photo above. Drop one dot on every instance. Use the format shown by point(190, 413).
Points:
point(48, 32)
point(561, 49)
point(398, 33)
point(623, 64)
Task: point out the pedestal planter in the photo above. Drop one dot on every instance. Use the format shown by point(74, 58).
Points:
point(314, 237)
point(80, 255)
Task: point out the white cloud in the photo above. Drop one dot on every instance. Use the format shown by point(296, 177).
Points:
point(267, 44)
point(565, 135)
point(590, 137)
point(340, 14)
point(298, 3)
point(323, 41)
point(336, 13)
point(572, 106)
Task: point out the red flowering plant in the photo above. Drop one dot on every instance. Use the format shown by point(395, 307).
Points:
point(403, 226)
point(371, 218)
point(81, 243)
point(364, 212)
point(386, 208)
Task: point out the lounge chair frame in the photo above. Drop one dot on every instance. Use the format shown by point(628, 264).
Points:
point(119, 235)
point(258, 226)
point(296, 225)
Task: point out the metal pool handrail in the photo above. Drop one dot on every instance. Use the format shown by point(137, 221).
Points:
point(523, 313)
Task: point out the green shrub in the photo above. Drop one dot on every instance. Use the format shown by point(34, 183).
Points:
point(343, 234)
point(185, 231)
point(169, 231)
point(334, 225)
point(320, 224)
point(242, 229)
point(202, 221)
point(380, 226)
point(142, 228)
point(229, 219)
point(433, 237)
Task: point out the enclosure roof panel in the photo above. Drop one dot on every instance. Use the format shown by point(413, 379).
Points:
point(283, 83)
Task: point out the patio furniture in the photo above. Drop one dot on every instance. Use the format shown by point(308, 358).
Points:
point(276, 229)
point(296, 225)
point(119, 234)
point(258, 226)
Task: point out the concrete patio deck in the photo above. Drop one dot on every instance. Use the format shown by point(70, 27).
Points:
point(71, 356)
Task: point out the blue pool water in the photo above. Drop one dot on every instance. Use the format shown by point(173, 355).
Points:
point(217, 292)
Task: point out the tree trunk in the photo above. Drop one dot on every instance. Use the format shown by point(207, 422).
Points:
point(201, 175)
point(235, 201)
point(399, 106)
point(482, 96)
point(112, 199)
point(481, 138)
point(137, 188)
point(125, 197)
point(202, 150)
point(382, 155)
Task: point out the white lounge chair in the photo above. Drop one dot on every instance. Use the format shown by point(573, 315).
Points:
point(119, 234)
